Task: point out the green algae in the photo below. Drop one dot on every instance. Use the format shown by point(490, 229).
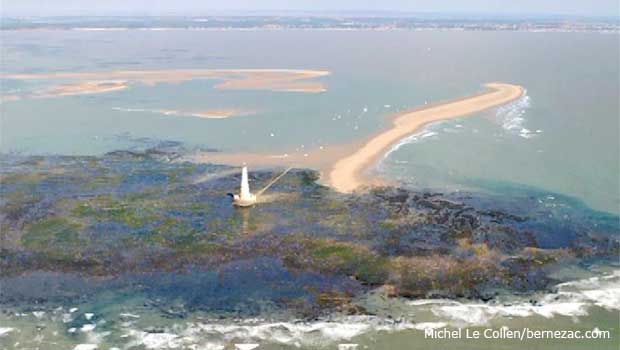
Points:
point(52, 233)
point(106, 208)
point(132, 214)
point(347, 258)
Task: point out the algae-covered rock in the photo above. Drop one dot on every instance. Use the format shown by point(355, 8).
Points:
point(127, 215)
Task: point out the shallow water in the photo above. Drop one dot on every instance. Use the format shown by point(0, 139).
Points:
point(562, 139)
point(556, 148)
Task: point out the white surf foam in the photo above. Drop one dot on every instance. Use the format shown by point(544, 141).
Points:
point(88, 327)
point(511, 117)
point(86, 347)
point(288, 333)
point(5, 330)
point(572, 299)
point(430, 131)
point(156, 340)
point(422, 326)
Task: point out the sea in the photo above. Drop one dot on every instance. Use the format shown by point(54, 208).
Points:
point(557, 143)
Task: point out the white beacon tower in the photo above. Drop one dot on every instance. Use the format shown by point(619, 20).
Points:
point(245, 198)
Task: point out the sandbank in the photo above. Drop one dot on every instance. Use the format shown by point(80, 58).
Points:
point(344, 166)
point(88, 87)
point(207, 114)
point(75, 83)
point(347, 173)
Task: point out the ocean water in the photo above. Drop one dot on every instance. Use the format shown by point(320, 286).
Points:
point(559, 140)
point(563, 137)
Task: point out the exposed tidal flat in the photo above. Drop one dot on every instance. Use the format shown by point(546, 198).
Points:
point(83, 83)
point(139, 249)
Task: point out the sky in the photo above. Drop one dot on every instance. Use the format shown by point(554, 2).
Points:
point(607, 8)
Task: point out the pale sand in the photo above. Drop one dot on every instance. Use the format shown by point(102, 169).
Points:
point(289, 80)
point(347, 174)
point(88, 87)
point(9, 98)
point(208, 114)
point(343, 166)
point(211, 114)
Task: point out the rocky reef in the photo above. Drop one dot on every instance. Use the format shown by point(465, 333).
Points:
point(147, 222)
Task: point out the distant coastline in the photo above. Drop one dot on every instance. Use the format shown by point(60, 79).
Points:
point(385, 22)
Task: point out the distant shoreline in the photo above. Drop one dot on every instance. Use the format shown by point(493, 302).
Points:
point(319, 21)
point(614, 30)
point(347, 173)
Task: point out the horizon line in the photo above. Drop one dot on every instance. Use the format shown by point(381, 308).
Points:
point(316, 13)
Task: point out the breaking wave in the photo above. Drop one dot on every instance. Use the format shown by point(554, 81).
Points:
point(571, 299)
point(287, 333)
point(511, 117)
point(429, 131)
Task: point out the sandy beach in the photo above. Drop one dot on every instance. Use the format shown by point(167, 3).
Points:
point(347, 173)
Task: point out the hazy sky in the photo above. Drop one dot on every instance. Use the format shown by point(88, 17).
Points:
point(198, 7)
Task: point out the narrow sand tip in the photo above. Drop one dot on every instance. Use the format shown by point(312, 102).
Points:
point(347, 173)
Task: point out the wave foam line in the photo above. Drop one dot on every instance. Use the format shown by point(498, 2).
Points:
point(426, 132)
point(288, 333)
point(511, 117)
point(572, 299)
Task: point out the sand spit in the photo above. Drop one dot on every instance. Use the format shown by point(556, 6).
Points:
point(88, 87)
point(318, 158)
point(343, 166)
point(286, 80)
point(347, 173)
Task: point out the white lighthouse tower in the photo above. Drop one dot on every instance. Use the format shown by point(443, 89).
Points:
point(245, 198)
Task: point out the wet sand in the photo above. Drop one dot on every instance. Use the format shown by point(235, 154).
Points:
point(347, 173)
point(75, 83)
